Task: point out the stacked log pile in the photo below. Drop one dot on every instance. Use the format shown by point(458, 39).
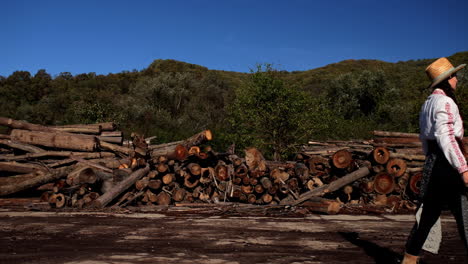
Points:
point(89, 166)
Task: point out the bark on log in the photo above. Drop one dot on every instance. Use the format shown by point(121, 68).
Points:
point(114, 140)
point(55, 139)
point(112, 134)
point(20, 167)
point(15, 124)
point(120, 187)
point(170, 148)
point(7, 137)
point(322, 205)
point(92, 155)
point(333, 186)
point(379, 133)
point(81, 130)
point(177, 152)
point(116, 148)
point(41, 178)
point(106, 126)
point(20, 146)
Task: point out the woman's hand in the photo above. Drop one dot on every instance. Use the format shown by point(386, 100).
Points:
point(465, 178)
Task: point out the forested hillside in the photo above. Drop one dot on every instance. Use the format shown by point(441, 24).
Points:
point(173, 100)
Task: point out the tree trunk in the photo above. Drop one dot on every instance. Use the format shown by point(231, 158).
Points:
point(20, 167)
point(41, 178)
point(55, 139)
point(92, 155)
point(120, 187)
point(21, 146)
point(333, 186)
point(321, 205)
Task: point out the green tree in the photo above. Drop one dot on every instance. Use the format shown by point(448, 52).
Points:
point(269, 114)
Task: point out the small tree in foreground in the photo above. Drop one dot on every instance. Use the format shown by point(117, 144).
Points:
point(268, 114)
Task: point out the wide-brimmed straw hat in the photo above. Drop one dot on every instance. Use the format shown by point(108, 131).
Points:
point(440, 70)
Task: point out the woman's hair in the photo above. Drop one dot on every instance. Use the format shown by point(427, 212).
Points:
point(447, 88)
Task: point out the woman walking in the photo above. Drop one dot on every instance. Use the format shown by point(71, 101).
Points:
point(445, 174)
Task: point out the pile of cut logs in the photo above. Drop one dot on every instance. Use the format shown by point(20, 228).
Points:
point(89, 166)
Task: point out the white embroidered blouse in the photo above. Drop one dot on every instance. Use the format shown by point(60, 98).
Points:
point(440, 120)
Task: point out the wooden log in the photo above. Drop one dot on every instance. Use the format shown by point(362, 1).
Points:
point(164, 199)
point(57, 200)
point(380, 133)
point(255, 160)
point(396, 167)
point(177, 152)
point(367, 186)
point(267, 198)
point(82, 130)
point(151, 197)
point(40, 179)
point(106, 126)
point(141, 183)
point(21, 167)
point(55, 139)
point(384, 183)
point(118, 134)
point(162, 168)
point(259, 189)
point(221, 171)
point(322, 205)
point(114, 140)
point(247, 189)
point(85, 155)
point(380, 155)
point(241, 171)
point(415, 182)
point(397, 140)
point(246, 180)
point(154, 184)
point(301, 171)
point(194, 140)
point(341, 159)
point(20, 146)
point(410, 157)
point(251, 198)
point(15, 124)
point(194, 169)
point(333, 186)
point(179, 194)
point(279, 175)
point(190, 181)
point(7, 137)
point(13, 180)
point(120, 187)
point(115, 148)
point(266, 183)
point(317, 164)
point(253, 181)
point(168, 178)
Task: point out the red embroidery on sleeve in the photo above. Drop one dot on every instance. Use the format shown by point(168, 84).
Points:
point(463, 166)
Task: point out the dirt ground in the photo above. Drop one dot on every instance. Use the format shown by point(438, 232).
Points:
point(190, 237)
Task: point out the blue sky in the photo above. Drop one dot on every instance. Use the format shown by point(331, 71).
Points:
point(114, 36)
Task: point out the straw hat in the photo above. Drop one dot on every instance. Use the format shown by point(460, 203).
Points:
point(440, 70)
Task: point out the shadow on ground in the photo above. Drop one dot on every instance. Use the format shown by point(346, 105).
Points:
point(380, 254)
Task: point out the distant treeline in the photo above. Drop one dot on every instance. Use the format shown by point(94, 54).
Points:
point(268, 108)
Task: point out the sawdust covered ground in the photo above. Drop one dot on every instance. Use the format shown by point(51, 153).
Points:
point(110, 237)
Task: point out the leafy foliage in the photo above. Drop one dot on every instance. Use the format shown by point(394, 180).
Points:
point(269, 109)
